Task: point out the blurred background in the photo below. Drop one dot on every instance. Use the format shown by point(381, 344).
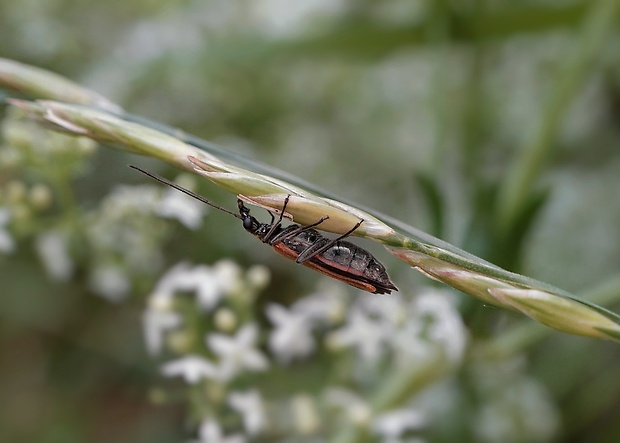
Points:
point(420, 110)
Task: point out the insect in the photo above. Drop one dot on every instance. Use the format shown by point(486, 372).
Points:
point(336, 258)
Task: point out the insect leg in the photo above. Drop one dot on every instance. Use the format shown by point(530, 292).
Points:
point(288, 234)
point(276, 225)
point(312, 252)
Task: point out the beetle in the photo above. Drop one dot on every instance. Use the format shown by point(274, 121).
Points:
point(335, 258)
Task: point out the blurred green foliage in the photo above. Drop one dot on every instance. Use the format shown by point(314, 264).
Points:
point(418, 109)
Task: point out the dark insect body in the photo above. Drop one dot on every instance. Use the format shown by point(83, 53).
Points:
point(336, 258)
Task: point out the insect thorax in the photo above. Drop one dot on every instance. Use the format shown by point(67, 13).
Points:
point(259, 229)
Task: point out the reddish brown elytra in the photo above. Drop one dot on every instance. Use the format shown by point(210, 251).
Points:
point(336, 258)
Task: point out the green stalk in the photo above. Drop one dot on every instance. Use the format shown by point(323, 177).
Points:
point(433, 257)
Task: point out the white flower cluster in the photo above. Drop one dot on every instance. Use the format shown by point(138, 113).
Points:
point(231, 354)
point(20, 203)
point(120, 241)
point(25, 145)
point(408, 332)
point(373, 327)
point(125, 234)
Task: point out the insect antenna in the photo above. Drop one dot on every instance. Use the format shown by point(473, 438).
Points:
point(186, 191)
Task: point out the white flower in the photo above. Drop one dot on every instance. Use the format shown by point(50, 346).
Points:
point(157, 320)
point(124, 231)
point(210, 432)
point(209, 283)
point(192, 368)
point(126, 199)
point(292, 336)
point(238, 353)
point(52, 249)
point(409, 345)
point(393, 424)
point(434, 323)
point(447, 328)
point(326, 306)
point(110, 282)
point(183, 277)
point(389, 310)
point(366, 335)
point(229, 279)
point(185, 209)
point(7, 244)
point(251, 407)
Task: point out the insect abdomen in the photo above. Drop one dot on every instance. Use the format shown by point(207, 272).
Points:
point(344, 261)
point(354, 260)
